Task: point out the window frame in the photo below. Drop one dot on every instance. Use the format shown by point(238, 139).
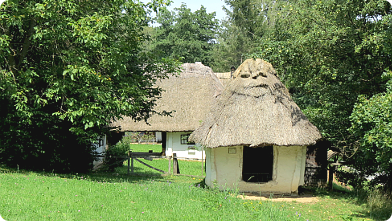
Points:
point(184, 139)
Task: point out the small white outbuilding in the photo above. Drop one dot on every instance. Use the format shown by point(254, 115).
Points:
point(256, 136)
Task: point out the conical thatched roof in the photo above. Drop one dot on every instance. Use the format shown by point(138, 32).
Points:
point(255, 109)
point(189, 95)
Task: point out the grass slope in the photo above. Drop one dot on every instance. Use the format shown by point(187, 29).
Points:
point(33, 196)
point(116, 196)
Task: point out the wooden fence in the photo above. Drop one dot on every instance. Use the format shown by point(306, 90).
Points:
point(173, 165)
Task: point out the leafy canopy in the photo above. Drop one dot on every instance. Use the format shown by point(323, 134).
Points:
point(240, 32)
point(332, 55)
point(67, 68)
point(185, 35)
point(372, 126)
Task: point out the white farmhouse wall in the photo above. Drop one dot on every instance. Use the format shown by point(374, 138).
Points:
point(158, 136)
point(173, 145)
point(224, 169)
point(100, 148)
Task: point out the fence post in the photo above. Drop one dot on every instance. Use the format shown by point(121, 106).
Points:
point(176, 168)
point(202, 160)
point(168, 171)
point(129, 160)
point(130, 155)
point(330, 176)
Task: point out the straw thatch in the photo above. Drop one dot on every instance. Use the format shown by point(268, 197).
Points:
point(188, 95)
point(255, 109)
point(224, 78)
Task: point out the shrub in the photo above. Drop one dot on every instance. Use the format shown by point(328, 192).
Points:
point(113, 155)
point(378, 202)
point(44, 145)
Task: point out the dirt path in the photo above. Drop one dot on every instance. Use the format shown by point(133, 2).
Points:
point(303, 198)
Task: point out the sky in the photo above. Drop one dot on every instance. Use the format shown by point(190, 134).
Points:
point(210, 5)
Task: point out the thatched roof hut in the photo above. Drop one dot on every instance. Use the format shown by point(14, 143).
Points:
point(255, 135)
point(255, 109)
point(224, 77)
point(188, 95)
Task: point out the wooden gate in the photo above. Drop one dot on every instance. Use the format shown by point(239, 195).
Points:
point(147, 156)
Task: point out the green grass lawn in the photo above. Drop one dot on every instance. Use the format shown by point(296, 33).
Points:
point(116, 196)
point(33, 196)
point(187, 167)
point(146, 147)
point(98, 196)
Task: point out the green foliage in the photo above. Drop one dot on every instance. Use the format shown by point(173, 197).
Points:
point(372, 126)
point(332, 54)
point(114, 153)
point(240, 34)
point(185, 35)
point(379, 203)
point(138, 137)
point(248, 15)
point(328, 53)
point(66, 69)
point(44, 145)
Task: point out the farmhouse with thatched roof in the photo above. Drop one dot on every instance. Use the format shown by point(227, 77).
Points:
point(255, 135)
point(189, 96)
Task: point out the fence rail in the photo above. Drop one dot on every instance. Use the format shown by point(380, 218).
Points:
point(173, 165)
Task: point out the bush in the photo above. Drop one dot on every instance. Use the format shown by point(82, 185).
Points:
point(379, 204)
point(113, 155)
point(44, 145)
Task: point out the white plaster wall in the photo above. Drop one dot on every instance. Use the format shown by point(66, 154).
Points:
point(225, 170)
point(210, 167)
point(173, 145)
point(100, 149)
point(158, 136)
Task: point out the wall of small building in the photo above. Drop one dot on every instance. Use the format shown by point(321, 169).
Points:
point(158, 137)
point(224, 169)
point(173, 145)
point(100, 148)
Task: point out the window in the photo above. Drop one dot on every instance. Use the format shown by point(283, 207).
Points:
point(257, 164)
point(184, 139)
point(191, 150)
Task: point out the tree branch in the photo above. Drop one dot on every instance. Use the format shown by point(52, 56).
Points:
point(26, 43)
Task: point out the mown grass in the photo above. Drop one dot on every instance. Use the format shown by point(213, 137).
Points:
point(193, 168)
point(35, 196)
point(187, 167)
point(116, 196)
point(145, 147)
point(98, 196)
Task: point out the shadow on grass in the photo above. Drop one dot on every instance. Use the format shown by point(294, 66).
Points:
point(117, 176)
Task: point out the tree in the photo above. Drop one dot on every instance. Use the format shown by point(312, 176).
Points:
point(372, 127)
point(66, 69)
point(186, 35)
point(241, 32)
point(329, 53)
